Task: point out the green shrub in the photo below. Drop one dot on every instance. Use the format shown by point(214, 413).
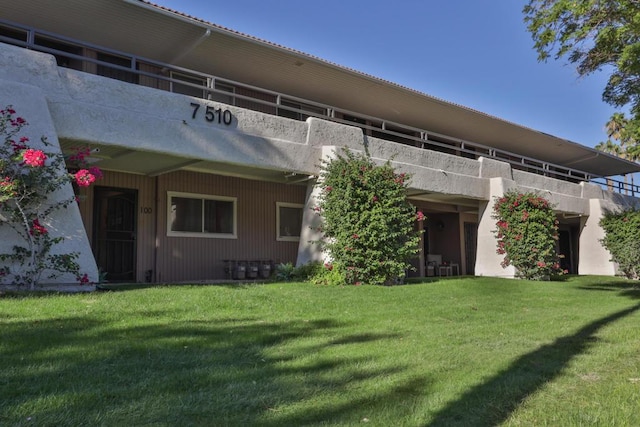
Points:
point(285, 271)
point(307, 271)
point(622, 240)
point(367, 222)
point(527, 233)
point(328, 276)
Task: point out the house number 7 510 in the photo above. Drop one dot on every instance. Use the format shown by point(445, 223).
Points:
point(212, 114)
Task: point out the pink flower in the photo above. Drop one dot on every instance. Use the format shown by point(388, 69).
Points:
point(95, 171)
point(33, 157)
point(328, 188)
point(17, 146)
point(355, 236)
point(84, 279)
point(80, 154)
point(84, 178)
point(37, 229)
point(375, 198)
point(420, 216)
point(541, 264)
point(328, 266)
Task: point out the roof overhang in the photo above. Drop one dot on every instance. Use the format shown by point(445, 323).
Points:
point(153, 32)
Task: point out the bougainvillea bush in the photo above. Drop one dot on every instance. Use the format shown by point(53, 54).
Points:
point(527, 233)
point(622, 240)
point(28, 178)
point(367, 222)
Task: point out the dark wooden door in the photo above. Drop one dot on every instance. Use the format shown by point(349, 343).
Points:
point(114, 242)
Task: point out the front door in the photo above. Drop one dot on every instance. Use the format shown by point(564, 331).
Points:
point(114, 240)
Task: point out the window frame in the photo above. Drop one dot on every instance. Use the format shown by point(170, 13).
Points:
point(203, 234)
point(280, 238)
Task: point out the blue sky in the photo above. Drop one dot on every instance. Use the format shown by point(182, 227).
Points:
point(474, 53)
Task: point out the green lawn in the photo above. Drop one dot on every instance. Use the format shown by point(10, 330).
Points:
point(468, 352)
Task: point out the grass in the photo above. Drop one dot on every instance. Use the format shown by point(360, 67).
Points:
point(468, 351)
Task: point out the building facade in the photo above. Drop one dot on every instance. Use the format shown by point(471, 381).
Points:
point(211, 148)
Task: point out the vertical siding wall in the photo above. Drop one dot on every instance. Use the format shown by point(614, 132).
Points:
point(145, 223)
point(201, 258)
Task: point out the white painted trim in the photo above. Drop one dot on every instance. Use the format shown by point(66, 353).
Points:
point(202, 234)
point(280, 238)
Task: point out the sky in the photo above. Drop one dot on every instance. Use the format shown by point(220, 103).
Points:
point(474, 53)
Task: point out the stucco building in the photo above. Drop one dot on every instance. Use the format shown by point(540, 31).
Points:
point(210, 142)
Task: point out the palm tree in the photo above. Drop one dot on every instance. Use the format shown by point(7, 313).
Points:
point(627, 146)
point(610, 147)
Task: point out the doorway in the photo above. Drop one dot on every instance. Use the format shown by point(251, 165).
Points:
point(470, 245)
point(114, 239)
point(568, 249)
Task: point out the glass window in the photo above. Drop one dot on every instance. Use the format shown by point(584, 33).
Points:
point(105, 70)
point(201, 216)
point(223, 93)
point(296, 110)
point(289, 221)
point(192, 86)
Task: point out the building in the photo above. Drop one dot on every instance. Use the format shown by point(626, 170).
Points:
point(210, 141)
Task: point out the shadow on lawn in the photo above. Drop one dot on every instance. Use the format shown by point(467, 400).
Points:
point(626, 288)
point(492, 402)
point(93, 371)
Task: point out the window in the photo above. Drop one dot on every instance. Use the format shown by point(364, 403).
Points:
point(105, 70)
point(288, 221)
point(13, 33)
point(192, 86)
point(60, 49)
point(296, 110)
point(219, 94)
point(201, 216)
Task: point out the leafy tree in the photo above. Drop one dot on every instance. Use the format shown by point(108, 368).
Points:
point(622, 240)
point(594, 35)
point(367, 222)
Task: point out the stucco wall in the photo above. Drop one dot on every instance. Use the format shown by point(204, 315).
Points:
point(30, 103)
point(76, 106)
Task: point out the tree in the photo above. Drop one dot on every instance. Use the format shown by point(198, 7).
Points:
point(594, 35)
point(367, 222)
point(622, 240)
point(623, 144)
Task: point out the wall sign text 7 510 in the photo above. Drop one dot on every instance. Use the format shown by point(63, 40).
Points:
point(212, 114)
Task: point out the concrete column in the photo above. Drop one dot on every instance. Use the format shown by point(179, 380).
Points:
point(308, 251)
point(31, 104)
point(487, 260)
point(593, 257)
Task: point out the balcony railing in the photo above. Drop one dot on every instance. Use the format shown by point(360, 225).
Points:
point(94, 59)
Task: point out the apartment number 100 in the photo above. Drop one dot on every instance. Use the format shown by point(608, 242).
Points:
point(212, 114)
